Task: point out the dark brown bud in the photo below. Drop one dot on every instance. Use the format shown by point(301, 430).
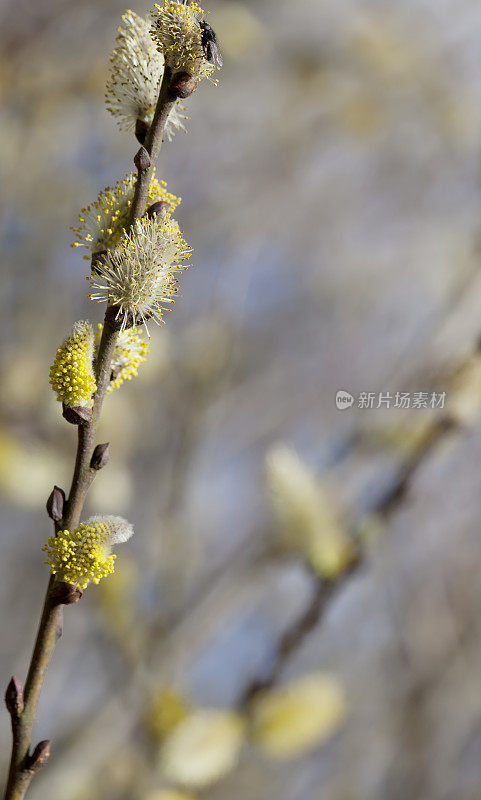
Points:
point(98, 258)
point(141, 128)
point(40, 756)
point(100, 456)
point(158, 209)
point(76, 415)
point(14, 697)
point(142, 159)
point(55, 504)
point(182, 85)
point(65, 593)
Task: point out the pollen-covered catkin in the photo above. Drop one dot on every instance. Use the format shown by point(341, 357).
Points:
point(71, 374)
point(85, 556)
point(176, 29)
point(130, 350)
point(103, 222)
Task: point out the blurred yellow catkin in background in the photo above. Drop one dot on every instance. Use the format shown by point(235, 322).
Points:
point(203, 748)
point(293, 719)
point(309, 521)
point(167, 709)
point(169, 794)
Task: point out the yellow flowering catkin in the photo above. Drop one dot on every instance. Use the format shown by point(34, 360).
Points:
point(71, 374)
point(84, 556)
point(103, 222)
point(131, 349)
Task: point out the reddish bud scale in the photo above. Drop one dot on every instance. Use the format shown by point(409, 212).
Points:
point(100, 456)
point(65, 593)
point(40, 756)
point(141, 128)
point(158, 209)
point(142, 159)
point(14, 697)
point(182, 85)
point(55, 504)
point(76, 415)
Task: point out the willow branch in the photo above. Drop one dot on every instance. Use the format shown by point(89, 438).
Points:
point(23, 765)
point(173, 87)
point(152, 145)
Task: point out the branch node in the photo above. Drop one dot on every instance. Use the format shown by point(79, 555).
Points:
point(76, 415)
point(65, 593)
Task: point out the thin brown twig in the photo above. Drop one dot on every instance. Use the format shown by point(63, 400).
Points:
point(23, 765)
point(152, 144)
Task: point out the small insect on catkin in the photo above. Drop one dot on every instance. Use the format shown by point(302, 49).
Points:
point(179, 32)
point(71, 374)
